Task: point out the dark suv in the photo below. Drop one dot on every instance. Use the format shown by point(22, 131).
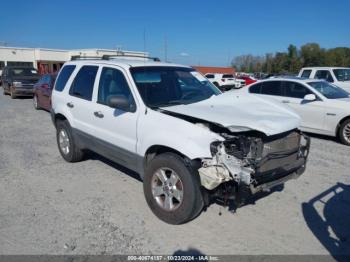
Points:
point(18, 80)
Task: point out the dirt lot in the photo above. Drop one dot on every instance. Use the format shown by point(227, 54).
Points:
point(48, 206)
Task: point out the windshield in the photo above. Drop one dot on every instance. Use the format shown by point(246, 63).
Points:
point(342, 74)
point(24, 72)
point(328, 90)
point(167, 86)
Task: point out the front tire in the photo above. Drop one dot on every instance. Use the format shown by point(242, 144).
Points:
point(344, 132)
point(66, 145)
point(172, 189)
point(12, 93)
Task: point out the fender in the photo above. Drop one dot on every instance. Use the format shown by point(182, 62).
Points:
point(156, 128)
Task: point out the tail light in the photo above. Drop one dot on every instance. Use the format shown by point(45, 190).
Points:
point(223, 79)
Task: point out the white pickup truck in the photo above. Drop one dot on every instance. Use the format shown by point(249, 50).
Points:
point(339, 76)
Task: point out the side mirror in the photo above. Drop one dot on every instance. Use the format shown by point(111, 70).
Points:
point(310, 97)
point(120, 102)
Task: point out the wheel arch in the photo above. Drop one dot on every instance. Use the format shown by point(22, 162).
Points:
point(59, 116)
point(155, 150)
point(340, 123)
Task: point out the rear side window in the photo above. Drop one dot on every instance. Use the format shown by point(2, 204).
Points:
point(296, 90)
point(209, 76)
point(227, 76)
point(306, 74)
point(324, 74)
point(113, 83)
point(63, 77)
point(273, 88)
point(83, 84)
point(255, 89)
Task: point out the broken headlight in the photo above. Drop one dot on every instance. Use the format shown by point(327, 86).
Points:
point(238, 147)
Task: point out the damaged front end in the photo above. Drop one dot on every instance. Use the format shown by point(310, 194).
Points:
point(253, 161)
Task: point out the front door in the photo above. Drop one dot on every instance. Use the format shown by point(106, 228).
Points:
point(312, 113)
point(115, 129)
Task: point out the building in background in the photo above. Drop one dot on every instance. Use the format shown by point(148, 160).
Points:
point(51, 60)
point(214, 70)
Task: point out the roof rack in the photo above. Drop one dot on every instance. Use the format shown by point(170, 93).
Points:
point(79, 57)
point(110, 57)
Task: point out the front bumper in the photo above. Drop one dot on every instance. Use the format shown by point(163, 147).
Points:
point(289, 167)
point(274, 168)
point(23, 91)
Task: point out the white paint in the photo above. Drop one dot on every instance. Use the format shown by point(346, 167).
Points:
point(321, 116)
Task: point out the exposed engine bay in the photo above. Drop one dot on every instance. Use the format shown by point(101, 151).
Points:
point(250, 158)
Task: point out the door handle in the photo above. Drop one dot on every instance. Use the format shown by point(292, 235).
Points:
point(70, 105)
point(98, 114)
point(285, 101)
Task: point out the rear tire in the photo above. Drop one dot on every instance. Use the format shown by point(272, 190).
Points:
point(66, 145)
point(344, 132)
point(180, 211)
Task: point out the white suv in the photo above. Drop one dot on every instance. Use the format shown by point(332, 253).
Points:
point(339, 76)
point(225, 82)
point(187, 141)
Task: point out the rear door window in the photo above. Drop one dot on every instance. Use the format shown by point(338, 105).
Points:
point(296, 90)
point(272, 88)
point(83, 84)
point(227, 76)
point(209, 76)
point(63, 77)
point(324, 74)
point(306, 73)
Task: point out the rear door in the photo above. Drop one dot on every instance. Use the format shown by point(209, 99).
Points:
point(79, 101)
point(272, 89)
point(46, 89)
point(312, 113)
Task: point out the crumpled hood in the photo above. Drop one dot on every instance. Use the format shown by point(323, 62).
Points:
point(242, 110)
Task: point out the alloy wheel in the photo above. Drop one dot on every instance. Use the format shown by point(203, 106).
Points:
point(167, 189)
point(64, 142)
point(346, 132)
point(35, 101)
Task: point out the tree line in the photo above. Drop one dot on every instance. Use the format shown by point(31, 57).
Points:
point(291, 61)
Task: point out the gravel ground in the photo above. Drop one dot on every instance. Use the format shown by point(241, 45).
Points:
point(49, 206)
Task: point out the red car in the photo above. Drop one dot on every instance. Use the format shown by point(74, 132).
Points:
point(42, 92)
point(248, 80)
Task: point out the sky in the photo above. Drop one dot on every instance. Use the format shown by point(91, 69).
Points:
point(190, 32)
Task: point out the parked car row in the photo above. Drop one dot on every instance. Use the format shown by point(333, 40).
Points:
point(25, 81)
point(225, 82)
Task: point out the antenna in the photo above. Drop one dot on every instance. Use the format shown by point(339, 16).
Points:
point(144, 40)
point(165, 49)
